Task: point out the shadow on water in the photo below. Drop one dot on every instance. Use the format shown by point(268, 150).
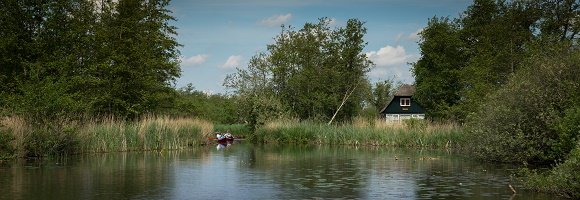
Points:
point(245, 171)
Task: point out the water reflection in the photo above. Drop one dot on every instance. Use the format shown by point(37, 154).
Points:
point(244, 171)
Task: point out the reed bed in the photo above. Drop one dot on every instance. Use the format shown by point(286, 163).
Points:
point(13, 130)
point(412, 133)
point(102, 135)
point(150, 133)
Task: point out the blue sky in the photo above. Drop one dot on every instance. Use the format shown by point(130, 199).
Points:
point(220, 35)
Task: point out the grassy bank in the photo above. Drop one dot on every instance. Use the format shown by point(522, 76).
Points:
point(563, 179)
point(22, 139)
point(411, 133)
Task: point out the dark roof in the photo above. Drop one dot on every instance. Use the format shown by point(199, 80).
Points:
point(405, 90)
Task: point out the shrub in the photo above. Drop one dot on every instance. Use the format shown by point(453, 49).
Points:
point(6, 148)
point(46, 141)
point(564, 179)
point(525, 121)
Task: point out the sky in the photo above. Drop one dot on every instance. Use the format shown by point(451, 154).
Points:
point(219, 36)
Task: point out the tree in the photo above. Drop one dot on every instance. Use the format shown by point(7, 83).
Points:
point(383, 93)
point(495, 34)
point(216, 108)
point(257, 100)
point(534, 117)
point(437, 72)
point(309, 72)
point(474, 55)
point(560, 20)
point(111, 58)
point(138, 58)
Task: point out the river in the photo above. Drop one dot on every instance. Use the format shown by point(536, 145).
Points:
point(246, 171)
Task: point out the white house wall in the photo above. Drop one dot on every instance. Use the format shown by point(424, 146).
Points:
point(398, 117)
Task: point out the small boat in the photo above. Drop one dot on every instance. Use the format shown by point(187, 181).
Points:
point(224, 138)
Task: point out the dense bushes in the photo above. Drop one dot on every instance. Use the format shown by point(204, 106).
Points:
point(564, 179)
point(6, 147)
point(534, 117)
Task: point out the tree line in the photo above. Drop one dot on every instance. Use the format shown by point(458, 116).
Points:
point(82, 58)
point(466, 58)
point(313, 73)
point(510, 72)
point(69, 58)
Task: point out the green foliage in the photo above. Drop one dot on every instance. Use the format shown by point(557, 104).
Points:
point(235, 129)
point(50, 141)
point(111, 58)
point(46, 101)
point(307, 72)
point(428, 136)
point(382, 94)
point(467, 58)
point(568, 129)
point(563, 179)
point(533, 118)
point(6, 148)
point(213, 107)
point(437, 72)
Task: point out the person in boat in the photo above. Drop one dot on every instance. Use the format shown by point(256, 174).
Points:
point(219, 136)
point(228, 135)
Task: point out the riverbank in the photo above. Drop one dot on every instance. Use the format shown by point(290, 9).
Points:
point(19, 138)
point(409, 133)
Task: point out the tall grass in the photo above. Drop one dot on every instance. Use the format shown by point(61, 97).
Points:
point(413, 133)
point(150, 133)
point(235, 129)
point(104, 135)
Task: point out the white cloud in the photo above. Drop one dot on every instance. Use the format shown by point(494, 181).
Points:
point(414, 36)
point(194, 60)
point(276, 20)
point(391, 61)
point(389, 56)
point(232, 62)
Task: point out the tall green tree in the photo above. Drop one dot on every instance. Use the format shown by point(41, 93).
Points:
point(560, 19)
point(438, 71)
point(495, 34)
point(471, 56)
point(138, 59)
point(310, 71)
point(20, 22)
point(110, 57)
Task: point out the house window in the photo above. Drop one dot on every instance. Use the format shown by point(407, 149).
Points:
point(405, 101)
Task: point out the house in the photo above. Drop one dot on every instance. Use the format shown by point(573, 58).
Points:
point(403, 106)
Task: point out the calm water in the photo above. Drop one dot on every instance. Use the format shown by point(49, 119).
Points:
point(244, 171)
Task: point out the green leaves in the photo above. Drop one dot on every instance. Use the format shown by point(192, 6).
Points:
point(467, 58)
point(306, 72)
point(437, 72)
point(533, 117)
point(113, 58)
